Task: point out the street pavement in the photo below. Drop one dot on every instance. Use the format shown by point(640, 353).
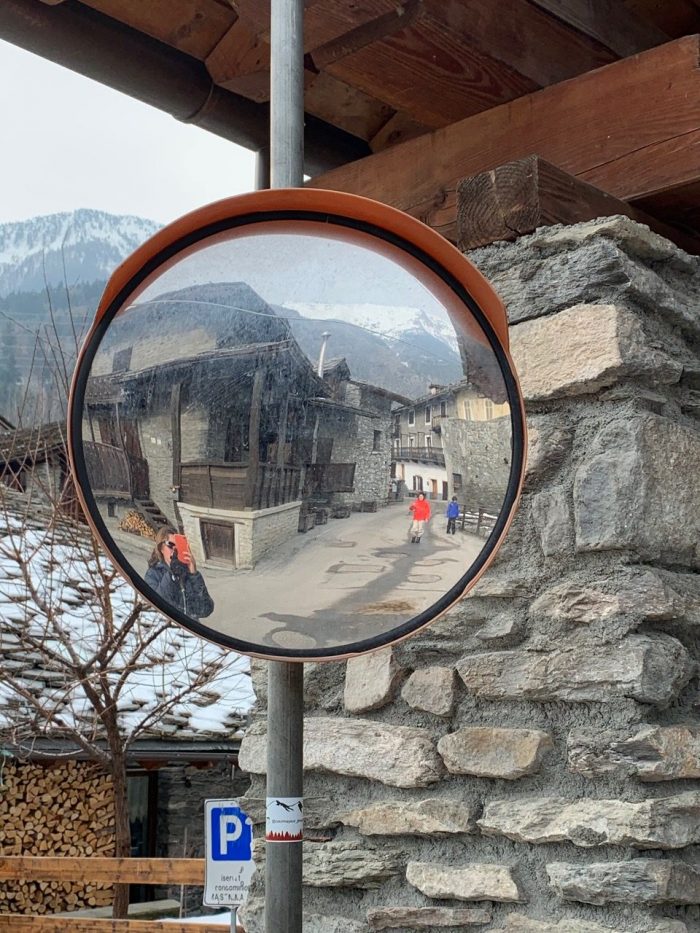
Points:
point(340, 583)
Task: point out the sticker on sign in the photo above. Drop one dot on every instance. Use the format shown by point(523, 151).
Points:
point(229, 867)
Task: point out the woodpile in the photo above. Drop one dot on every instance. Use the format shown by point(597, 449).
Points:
point(137, 525)
point(55, 810)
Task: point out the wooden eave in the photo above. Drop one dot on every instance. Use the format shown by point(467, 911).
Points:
point(430, 92)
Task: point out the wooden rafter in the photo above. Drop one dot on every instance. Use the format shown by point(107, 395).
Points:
point(632, 128)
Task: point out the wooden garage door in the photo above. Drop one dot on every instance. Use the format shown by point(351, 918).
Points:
point(218, 540)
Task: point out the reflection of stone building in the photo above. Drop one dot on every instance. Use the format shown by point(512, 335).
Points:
point(454, 441)
point(202, 410)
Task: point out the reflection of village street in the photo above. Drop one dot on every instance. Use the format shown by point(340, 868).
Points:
point(339, 583)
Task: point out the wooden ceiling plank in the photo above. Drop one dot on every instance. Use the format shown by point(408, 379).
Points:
point(336, 102)
point(658, 167)
point(192, 26)
point(398, 129)
point(680, 206)
point(324, 20)
point(366, 34)
point(580, 125)
point(240, 62)
point(609, 22)
point(429, 73)
point(675, 19)
point(517, 198)
point(516, 32)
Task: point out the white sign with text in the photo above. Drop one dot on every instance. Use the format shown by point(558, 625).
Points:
point(229, 867)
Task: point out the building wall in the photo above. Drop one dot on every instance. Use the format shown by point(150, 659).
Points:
point(481, 453)
point(536, 749)
point(357, 444)
point(182, 791)
point(155, 434)
point(256, 532)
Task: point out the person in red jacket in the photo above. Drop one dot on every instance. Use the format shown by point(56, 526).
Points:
point(420, 510)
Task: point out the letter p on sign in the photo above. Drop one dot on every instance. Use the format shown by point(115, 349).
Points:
point(231, 838)
point(230, 830)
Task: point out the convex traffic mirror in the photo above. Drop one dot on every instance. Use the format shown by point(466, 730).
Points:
point(295, 425)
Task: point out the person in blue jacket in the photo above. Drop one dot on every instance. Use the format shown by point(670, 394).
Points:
point(452, 515)
point(177, 581)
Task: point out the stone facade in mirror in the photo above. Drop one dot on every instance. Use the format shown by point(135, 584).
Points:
point(297, 440)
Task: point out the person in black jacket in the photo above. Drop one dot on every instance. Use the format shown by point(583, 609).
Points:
point(177, 581)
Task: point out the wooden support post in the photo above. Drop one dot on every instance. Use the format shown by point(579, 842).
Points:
point(516, 198)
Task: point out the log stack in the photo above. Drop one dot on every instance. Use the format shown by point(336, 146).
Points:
point(137, 525)
point(55, 810)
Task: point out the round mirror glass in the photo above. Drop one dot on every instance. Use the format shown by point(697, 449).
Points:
point(297, 435)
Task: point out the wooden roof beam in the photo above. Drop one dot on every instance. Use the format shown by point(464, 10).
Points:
point(625, 128)
point(517, 198)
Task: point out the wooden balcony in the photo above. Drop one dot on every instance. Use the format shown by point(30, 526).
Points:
point(420, 455)
point(229, 485)
point(113, 473)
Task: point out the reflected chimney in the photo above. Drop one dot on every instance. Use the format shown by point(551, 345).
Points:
point(322, 355)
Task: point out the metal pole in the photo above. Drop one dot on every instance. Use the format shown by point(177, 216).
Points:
point(285, 717)
point(287, 94)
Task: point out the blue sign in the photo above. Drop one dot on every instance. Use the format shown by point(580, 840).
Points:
point(231, 834)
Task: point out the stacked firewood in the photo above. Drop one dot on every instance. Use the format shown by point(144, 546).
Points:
point(137, 525)
point(55, 810)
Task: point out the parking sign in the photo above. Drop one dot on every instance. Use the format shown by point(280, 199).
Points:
point(229, 863)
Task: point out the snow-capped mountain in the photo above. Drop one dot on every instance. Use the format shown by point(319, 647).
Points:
point(387, 320)
point(87, 244)
point(404, 349)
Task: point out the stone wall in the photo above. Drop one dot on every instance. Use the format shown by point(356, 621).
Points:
point(530, 762)
point(256, 532)
point(480, 451)
point(182, 791)
point(372, 467)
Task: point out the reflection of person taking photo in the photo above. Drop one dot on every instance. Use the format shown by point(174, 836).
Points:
point(452, 514)
point(173, 574)
point(421, 514)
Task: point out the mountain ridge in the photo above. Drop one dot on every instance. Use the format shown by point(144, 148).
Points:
point(67, 248)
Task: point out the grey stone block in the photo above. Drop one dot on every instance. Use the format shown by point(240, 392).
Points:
point(436, 816)
point(638, 881)
point(648, 669)
point(652, 753)
point(400, 756)
point(493, 752)
point(472, 882)
point(663, 823)
point(639, 491)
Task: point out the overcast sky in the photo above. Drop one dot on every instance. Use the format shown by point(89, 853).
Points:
point(69, 142)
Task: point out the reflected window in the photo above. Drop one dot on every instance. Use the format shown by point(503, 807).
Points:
point(427, 414)
point(377, 441)
point(411, 416)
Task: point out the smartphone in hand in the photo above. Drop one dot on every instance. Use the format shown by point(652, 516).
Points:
point(183, 548)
